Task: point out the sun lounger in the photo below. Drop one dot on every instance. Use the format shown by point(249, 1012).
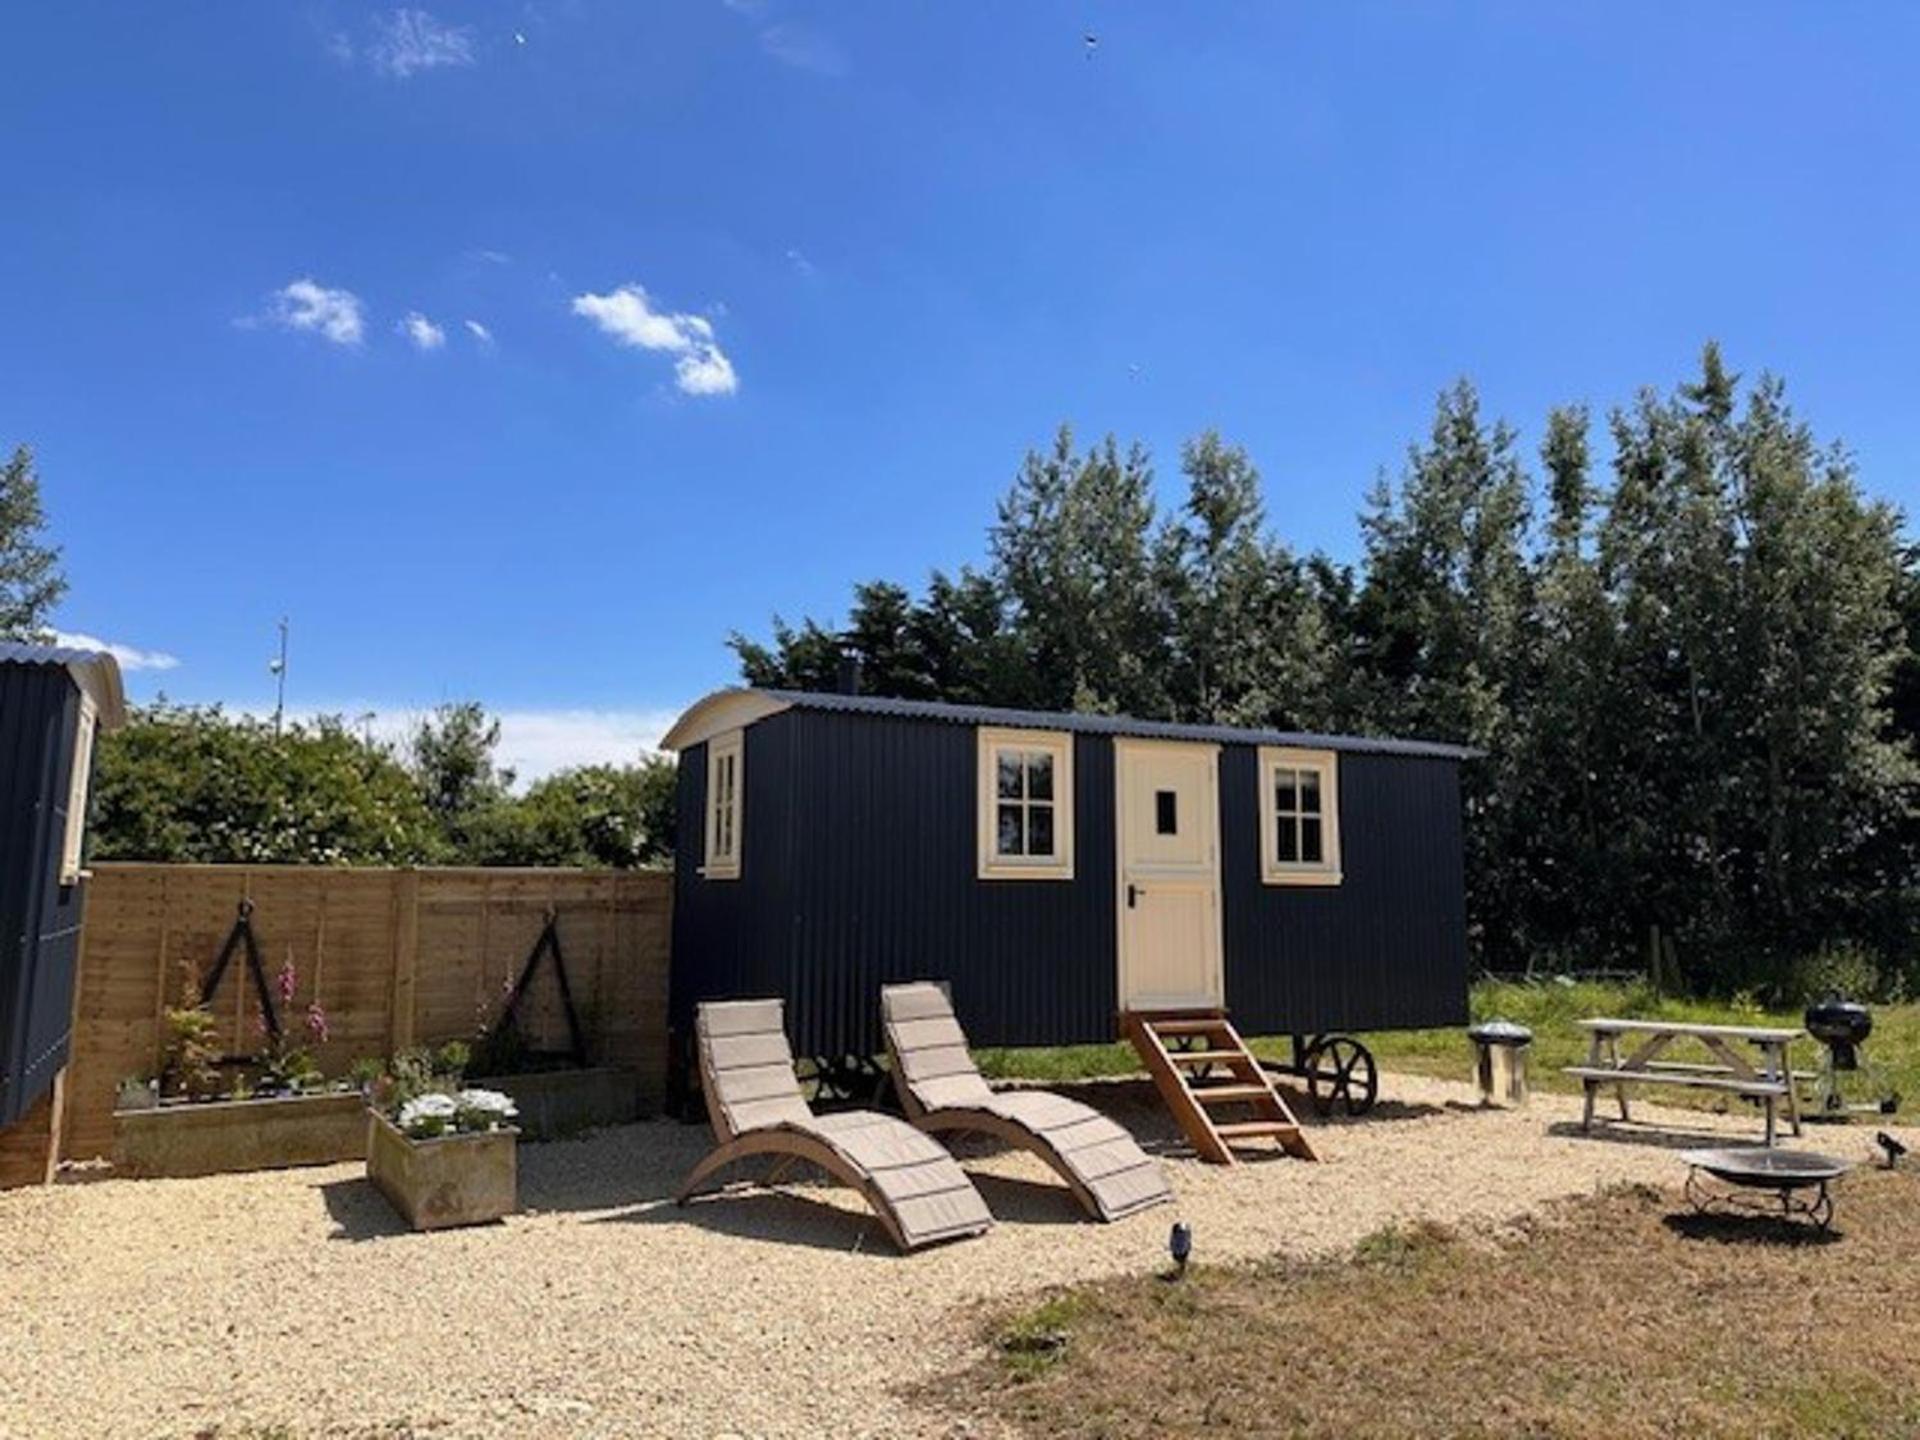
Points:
point(941, 1089)
point(754, 1103)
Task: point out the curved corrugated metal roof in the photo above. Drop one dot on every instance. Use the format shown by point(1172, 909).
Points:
point(94, 671)
point(726, 708)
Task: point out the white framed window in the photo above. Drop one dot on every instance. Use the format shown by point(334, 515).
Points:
point(1299, 816)
point(77, 787)
point(1026, 805)
point(725, 776)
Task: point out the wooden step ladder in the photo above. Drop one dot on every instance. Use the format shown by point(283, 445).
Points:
point(1204, 1071)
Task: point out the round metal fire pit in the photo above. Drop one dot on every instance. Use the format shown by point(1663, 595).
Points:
point(1786, 1174)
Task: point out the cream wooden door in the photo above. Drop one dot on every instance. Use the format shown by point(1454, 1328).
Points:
point(1167, 821)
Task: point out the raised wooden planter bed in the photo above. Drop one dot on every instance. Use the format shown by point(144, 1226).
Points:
point(222, 1136)
point(447, 1181)
point(558, 1103)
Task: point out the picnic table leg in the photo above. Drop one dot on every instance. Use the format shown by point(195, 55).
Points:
point(1772, 1104)
point(1783, 1054)
point(1613, 1059)
point(1592, 1087)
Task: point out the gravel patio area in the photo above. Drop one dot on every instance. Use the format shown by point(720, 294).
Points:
point(294, 1303)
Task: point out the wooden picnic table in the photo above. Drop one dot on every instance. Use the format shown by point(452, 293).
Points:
point(1762, 1073)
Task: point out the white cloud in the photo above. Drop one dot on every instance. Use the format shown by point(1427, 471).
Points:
point(628, 316)
point(533, 743)
point(424, 334)
point(478, 331)
point(804, 49)
point(804, 267)
point(308, 305)
point(129, 657)
point(408, 41)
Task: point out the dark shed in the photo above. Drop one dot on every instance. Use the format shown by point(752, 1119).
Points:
point(1060, 870)
point(52, 702)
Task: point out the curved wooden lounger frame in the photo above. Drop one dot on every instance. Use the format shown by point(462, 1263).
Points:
point(914, 1187)
point(1009, 1132)
point(797, 1145)
point(942, 1091)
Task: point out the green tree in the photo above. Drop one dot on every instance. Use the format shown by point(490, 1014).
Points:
point(1446, 635)
point(450, 754)
point(614, 816)
point(1073, 552)
point(190, 783)
point(31, 584)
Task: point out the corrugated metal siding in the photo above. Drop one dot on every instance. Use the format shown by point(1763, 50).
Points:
point(732, 938)
point(870, 824)
point(1385, 949)
point(859, 868)
point(39, 918)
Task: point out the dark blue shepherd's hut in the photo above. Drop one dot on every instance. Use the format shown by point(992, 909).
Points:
point(1061, 871)
point(52, 703)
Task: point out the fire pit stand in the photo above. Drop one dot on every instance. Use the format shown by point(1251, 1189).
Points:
point(1788, 1174)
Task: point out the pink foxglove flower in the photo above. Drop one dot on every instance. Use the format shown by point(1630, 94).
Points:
point(317, 1023)
point(289, 982)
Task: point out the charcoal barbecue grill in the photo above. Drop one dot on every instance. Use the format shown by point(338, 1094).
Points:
point(1787, 1174)
point(1848, 1082)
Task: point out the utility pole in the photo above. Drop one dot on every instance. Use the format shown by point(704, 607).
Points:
point(278, 668)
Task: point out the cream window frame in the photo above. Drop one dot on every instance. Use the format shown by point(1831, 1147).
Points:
point(1058, 745)
point(726, 784)
point(1327, 870)
point(79, 784)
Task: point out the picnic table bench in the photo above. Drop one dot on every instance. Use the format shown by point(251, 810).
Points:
point(1768, 1081)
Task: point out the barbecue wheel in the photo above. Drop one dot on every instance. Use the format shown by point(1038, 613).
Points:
point(1341, 1076)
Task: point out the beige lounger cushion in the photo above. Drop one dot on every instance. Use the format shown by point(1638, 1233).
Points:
point(747, 1070)
point(940, 1082)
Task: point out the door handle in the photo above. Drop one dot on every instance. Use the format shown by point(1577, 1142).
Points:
point(1133, 896)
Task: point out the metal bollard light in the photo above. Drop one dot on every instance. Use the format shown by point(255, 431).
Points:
point(1500, 1050)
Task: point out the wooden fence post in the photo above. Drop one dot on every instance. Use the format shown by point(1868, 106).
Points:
point(406, 956)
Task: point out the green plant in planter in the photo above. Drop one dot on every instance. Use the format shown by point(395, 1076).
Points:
point(366, 1073)
point(190, 1054)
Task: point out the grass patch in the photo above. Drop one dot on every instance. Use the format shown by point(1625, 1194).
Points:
point(1609, 1316)
point(1036, 1340)
point(1548, 1008)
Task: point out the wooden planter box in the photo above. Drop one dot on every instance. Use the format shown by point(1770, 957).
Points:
point(440, 1183)
point(227, 1135)
point(558, 1103)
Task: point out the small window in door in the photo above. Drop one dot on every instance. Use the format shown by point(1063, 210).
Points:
point(1166, 812)
point(1026, 805)
point(1299, 817)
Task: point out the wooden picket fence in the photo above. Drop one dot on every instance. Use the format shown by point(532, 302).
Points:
point(392, 957)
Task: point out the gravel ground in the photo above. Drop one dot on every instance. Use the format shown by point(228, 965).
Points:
point(293, 1303)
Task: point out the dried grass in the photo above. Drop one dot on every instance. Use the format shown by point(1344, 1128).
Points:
point(1617, 1315)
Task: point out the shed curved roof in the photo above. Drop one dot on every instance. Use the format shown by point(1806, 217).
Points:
point(94, 671)
point(733, 708)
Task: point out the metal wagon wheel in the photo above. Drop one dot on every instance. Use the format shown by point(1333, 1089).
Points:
point(844, 1079)
point(1184, 1043)
point(1341, 1076)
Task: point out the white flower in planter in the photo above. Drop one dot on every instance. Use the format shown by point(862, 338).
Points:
point(425, 1116)
point(485, 1109)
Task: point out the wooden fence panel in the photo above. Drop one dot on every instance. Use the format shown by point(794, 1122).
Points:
point(392, 957)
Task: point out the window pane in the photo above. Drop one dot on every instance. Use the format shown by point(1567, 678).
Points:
point(1286, 797)
point(1287, 850)
point(1008, 842)
point(1008, 763)
point(1040, 830)
point(1309, 792)
point(1310, 840)
point(1040, 777)
point(1166, 812)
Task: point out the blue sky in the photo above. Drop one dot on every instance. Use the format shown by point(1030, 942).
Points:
point(773, 295)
